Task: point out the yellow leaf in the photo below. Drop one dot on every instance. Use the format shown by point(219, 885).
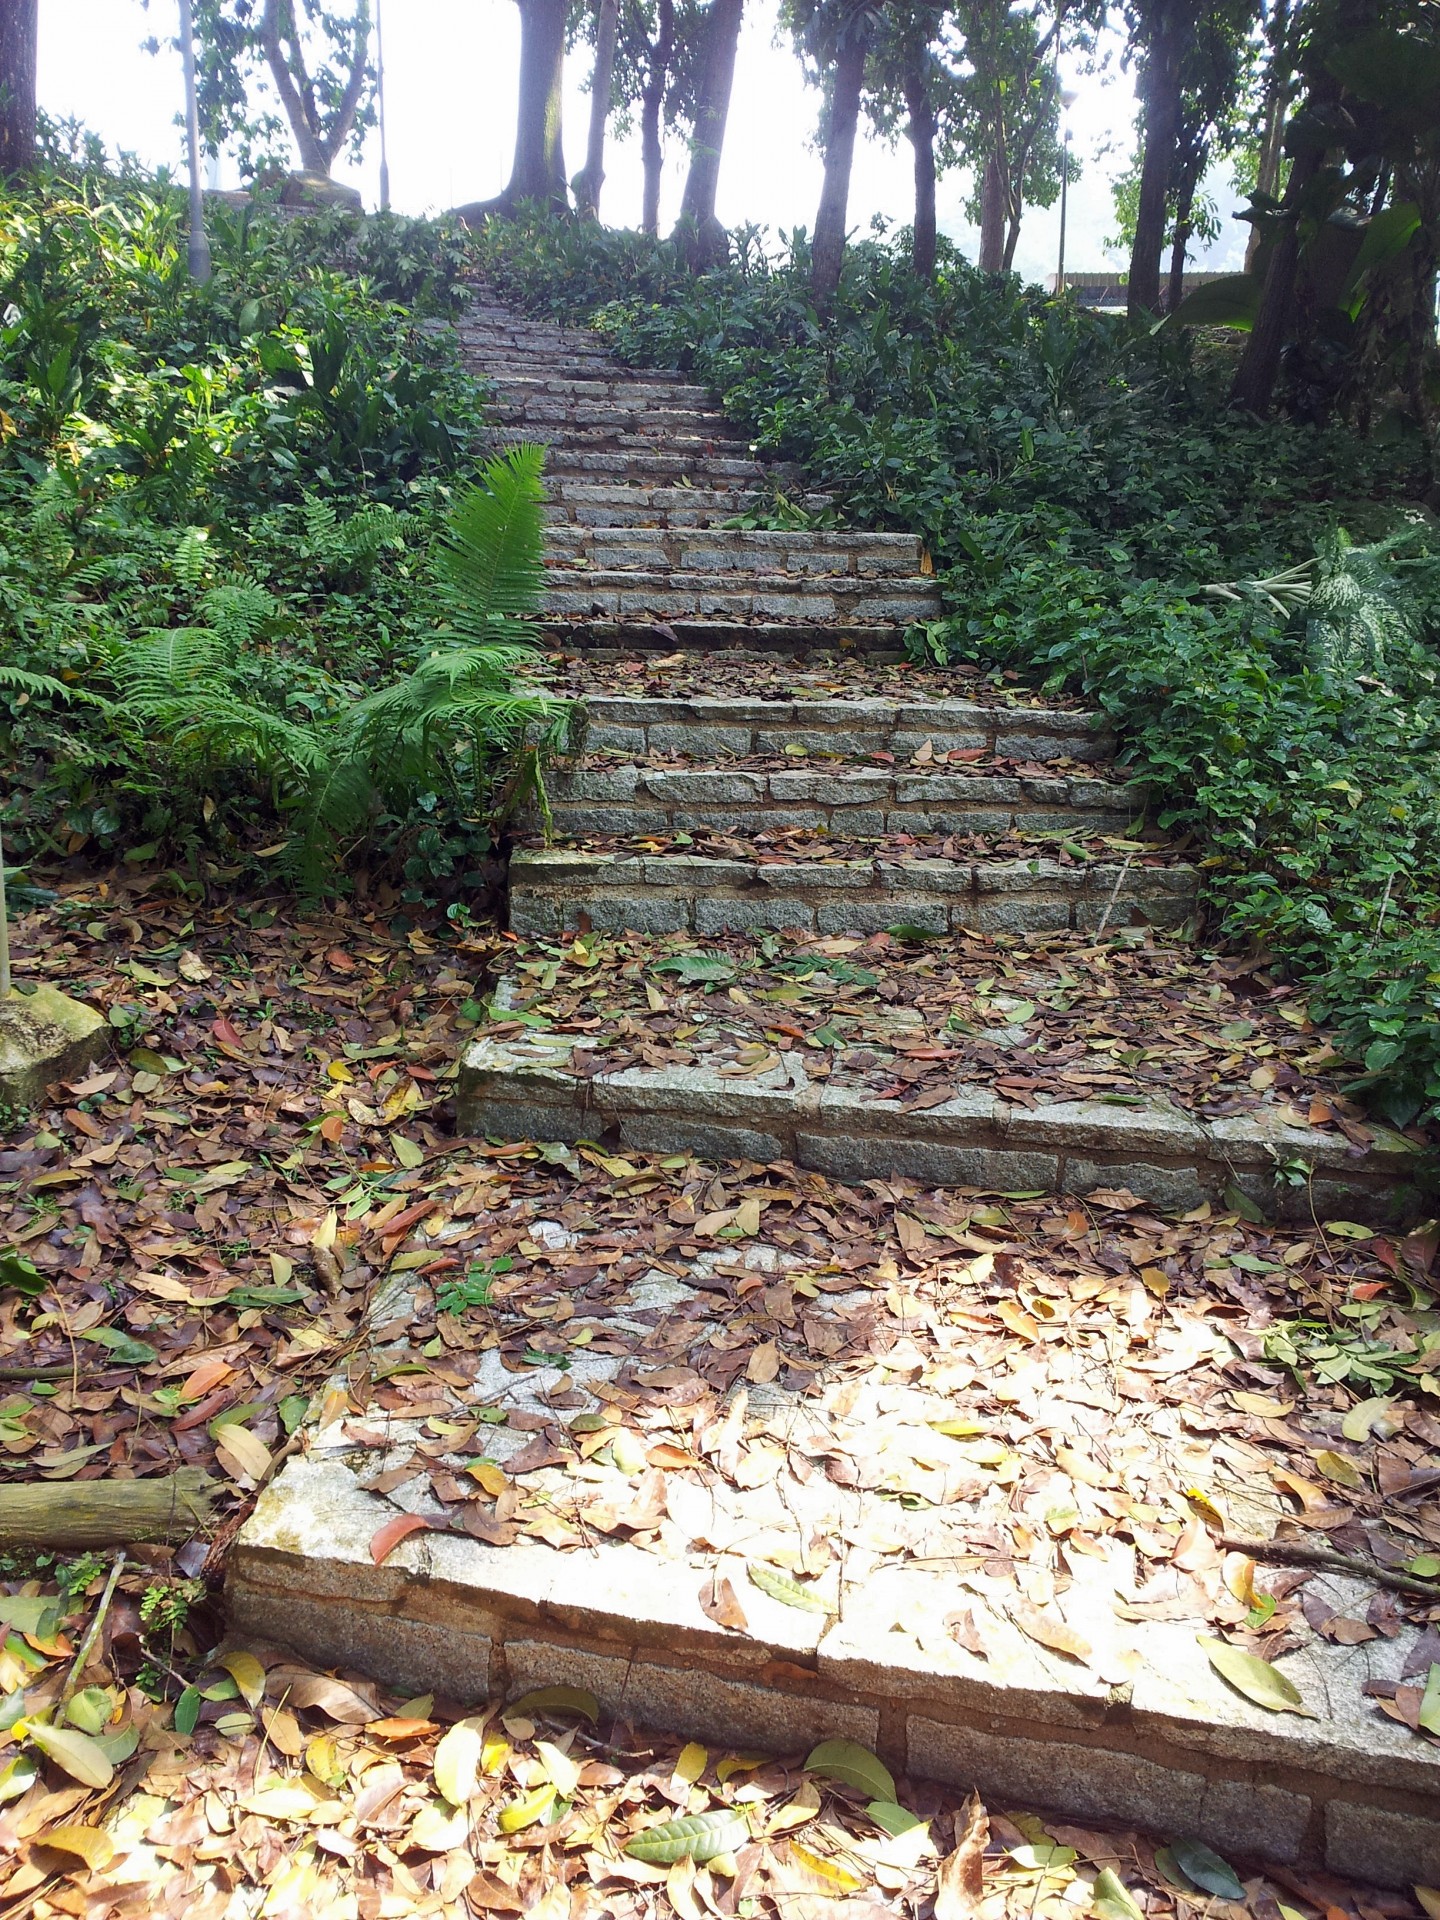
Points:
point(490, 1477)
point(829, 1875)
point(457, 1761)
point(1338, 1467)
point(1262, 1406)
point(747, 1218)
point(524, 1813)
point(796, 1812)
point(282, 1730)
point(495, 1752)
point(283, 1800)
point(691, 1764)
point(560, 1770)
point(243, 1454)
point(1208, 1511)
point(247, 1673)
point(90, 1844)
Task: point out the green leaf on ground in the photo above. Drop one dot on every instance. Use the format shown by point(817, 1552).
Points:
point(852, 1765)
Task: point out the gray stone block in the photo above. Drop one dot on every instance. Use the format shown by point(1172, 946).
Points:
point(722, 913)
point(1375, 1843)
point(690, 1700)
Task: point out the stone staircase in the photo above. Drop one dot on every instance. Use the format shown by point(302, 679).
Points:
point(810, 812)
point(757, 803)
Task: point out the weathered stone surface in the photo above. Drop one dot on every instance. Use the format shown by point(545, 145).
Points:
point(46, 1037)
point(1376, 1843)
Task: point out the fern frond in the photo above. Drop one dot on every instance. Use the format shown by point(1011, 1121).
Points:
point(166, 664)
point(38, 686)
point(237, 612)
point(490, 556)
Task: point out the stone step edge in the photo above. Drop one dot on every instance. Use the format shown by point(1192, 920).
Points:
point(519, 1089)
point(874, 710)
point(575, 867)
point(478, 1623)
point(797, 639)
point(1065, 797)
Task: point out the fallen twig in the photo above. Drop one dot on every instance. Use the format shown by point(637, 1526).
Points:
point(1296, 1553)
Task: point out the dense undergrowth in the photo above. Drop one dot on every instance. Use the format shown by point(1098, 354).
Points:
point(227, 494)
point(1080, 484)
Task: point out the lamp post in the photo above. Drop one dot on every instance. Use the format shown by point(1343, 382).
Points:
point(199, 255)
point(380, 91)
point(1067, 100)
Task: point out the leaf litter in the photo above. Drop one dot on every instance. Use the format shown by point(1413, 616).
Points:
point(1033, 1386)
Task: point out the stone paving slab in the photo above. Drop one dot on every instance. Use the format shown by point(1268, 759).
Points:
point(733, 549)
point(638, 799)
point(666, 893)
point(712, 728)
point(823, 600)
point(522, 1088)
point(1144, 1733)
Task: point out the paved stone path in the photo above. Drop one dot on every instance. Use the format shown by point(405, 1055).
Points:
point(830, 815)
point(997, 824)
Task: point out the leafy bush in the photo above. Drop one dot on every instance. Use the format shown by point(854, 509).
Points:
point(216, 509)
point(1081, 483)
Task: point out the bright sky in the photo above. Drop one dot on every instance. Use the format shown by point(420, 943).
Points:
point(450, 86)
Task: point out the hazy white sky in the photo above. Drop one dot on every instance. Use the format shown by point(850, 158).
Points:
point(450, 85)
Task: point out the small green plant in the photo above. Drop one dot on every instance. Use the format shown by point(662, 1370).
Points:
point(474, 1290)
point(166, 1605)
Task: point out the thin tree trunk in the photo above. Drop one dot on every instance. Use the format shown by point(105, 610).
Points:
point(1184, 227)
point(1273, 138)
point(19, 31)
point(920, 131)
point(698, 231)
point(651, 101)
point(588, 181)
point(828, 251)
point(538, 172)
point(1162, 126)
point(993, 198)
point(297, 93)
point(1255, 377)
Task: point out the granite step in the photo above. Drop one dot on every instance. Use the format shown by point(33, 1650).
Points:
point(554, 890)
point(537, 1087)
point(818, 599)
point(716, 728)
point(866, 556)
point(647, 465)
point(848, 800)
point(610, 503)
point(621, 388)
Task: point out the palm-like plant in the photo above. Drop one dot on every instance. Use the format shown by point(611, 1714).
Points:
point(454, 722)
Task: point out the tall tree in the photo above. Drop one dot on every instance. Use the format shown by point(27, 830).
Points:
point(652, 98)
point(538, 169)
point(587, 183)
point(1010, 109)
point(1158, 29)
point(910, 89)
point(313, 58)
point(839, 35)
point(19, 30)
point(699, 233)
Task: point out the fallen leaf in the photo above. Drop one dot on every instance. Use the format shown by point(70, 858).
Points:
point(960, 1881)
point(385, 1539)
point(1255, 1678)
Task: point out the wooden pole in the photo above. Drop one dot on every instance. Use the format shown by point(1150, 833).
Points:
point(106, 1513)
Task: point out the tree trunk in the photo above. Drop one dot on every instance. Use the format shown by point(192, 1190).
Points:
point(317, 149)
point(828, 251)
point(1255, 377)
point(1184, 227)
point(920, 131)
point(1272, 139)
point(993, 199)
point(538, 172)
point(651, 102)
point(1161, 94)
point(699, 233)
point(588, 181)
point(72, 1515)
point(19, 23)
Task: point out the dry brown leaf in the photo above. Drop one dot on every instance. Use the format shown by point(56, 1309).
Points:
point(960, 1879)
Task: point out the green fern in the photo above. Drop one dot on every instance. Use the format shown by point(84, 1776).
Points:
point(490, 561)
point(457, 721)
